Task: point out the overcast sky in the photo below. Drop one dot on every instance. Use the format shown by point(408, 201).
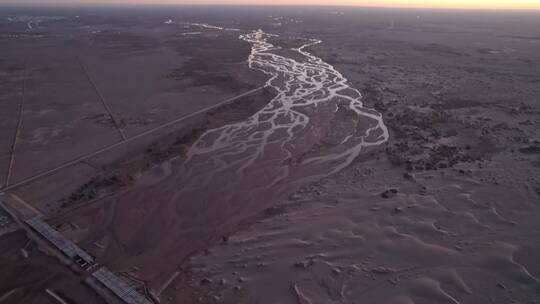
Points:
point(490, 4)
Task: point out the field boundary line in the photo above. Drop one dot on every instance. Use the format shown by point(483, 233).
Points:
point(20, 117)
point(121, 143)
point(103, 101)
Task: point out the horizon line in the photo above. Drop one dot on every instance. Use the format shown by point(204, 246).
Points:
point(320, 5)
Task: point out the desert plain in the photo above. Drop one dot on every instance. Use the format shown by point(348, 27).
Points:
point(272, 155)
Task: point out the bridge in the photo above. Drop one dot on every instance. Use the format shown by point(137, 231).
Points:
point(104, 276)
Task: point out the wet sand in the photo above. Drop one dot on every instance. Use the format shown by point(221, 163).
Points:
point(445, 212)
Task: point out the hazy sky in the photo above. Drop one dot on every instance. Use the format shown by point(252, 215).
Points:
point(489, 4)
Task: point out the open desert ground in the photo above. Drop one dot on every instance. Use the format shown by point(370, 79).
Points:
point(273, 155)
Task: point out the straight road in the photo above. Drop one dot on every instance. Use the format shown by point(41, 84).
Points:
point(19, 126)
point(103, 101)
point(123, 142)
